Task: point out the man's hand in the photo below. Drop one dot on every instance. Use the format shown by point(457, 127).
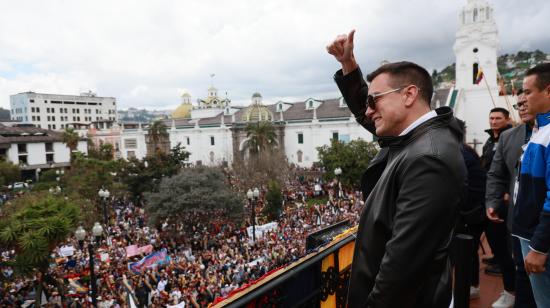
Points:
point(493, 216)
point(534, 262)
point(342, 49)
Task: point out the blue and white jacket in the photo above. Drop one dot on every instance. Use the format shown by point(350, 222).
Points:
point(532, 209)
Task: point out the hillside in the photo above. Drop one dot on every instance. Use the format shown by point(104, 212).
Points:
point(512, 67)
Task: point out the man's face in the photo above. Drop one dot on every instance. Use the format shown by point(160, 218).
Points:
point(538, 101)
point(525, 116)
point(389, 112)
point(497, 120)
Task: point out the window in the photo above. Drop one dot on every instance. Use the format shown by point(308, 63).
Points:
point(49, 147)
point(32, 100)
point(188, 140)
point(32, 109)
point(212, 140)
point(37, 118)
point(33, 118)
point(22, 159)
point(335, 136)
point(49, 158)
point(130, 143)
point(131, 154)
point(300, 138)
point(53, 126)
point(22, 148)
point(299, 154)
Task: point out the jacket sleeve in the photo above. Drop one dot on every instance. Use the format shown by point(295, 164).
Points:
point(426, 207)
point(354, 89)
point(498, 179)
point(540, 241)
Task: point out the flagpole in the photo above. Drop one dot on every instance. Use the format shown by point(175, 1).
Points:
point(489, 90)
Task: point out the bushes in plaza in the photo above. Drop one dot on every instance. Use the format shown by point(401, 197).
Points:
point(198, 189)
point(274, 201)
point(352, 157)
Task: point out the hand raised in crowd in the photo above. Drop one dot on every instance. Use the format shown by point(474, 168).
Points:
point(493, 216)
point(534, 262)
point(342, 49)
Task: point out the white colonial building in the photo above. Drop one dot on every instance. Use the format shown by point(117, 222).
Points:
point(58, 111)
point(476, 49)
point(214, 131)
point(33, 148)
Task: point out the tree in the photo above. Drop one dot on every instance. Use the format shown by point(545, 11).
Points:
point(199, 189)
point(71, 138)
point(274, 199)
point(353, 158)
point(158, 134)
point(9, 173)
point(33, 226)
point(261, 137)
point(144, 175)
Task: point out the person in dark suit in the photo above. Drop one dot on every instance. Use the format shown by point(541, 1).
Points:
point(413, 187)
point(500, 186)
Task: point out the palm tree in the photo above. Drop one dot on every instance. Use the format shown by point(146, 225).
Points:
point(34, 225)
point(158, 133)
point(261, 136)
point(71, 138)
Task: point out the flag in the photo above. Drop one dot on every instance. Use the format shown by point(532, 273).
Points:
point(479, 76)
point(154, 259)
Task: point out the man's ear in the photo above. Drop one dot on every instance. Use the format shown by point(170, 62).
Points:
point(412, 94)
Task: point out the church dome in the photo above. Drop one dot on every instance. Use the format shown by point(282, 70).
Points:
point(256, 94)
point(183, 111)
point(257, 112)
point(186, 94)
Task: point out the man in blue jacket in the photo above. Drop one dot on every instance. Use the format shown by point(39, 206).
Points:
point(532, 210)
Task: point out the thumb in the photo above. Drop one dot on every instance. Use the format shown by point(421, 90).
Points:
point(350, 36)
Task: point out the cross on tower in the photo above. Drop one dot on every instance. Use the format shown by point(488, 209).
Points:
point(475, 143)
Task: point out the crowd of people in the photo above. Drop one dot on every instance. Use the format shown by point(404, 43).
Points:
point(209, 256)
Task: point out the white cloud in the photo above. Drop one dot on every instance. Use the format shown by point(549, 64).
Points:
point(145, 52)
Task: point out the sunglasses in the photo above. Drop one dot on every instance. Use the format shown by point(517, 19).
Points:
point(372, 98)
point(519, 105)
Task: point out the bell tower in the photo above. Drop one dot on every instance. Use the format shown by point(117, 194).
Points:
point(476, 46)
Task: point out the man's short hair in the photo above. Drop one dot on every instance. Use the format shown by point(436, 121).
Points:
point(542, 72)
point(503, 110)
point(405, 73)
point(520, 92)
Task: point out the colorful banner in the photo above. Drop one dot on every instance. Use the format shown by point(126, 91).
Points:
point(152, 260)
point(134, 250)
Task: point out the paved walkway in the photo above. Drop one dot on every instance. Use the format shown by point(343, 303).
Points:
point(490, 286)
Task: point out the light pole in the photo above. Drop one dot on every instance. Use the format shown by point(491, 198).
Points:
point(59, 173)
point(80, 235)
point(253, 198)
point(104, 195)
point(338, 172)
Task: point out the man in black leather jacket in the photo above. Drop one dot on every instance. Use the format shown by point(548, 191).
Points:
point(413, 187)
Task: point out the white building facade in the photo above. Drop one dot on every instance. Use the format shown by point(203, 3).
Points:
point(214, 131)
point(476, 50)
point(57, 111)
point(33, 148)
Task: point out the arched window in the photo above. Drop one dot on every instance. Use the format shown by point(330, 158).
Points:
point(211, 157)
point(299, 154)
point(475, 14)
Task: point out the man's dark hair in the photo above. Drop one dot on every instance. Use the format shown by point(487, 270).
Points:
point(405, 73)
point(542, 71)
point(504, 111)
point(520, 92)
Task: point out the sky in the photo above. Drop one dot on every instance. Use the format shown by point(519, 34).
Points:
point(147, 53)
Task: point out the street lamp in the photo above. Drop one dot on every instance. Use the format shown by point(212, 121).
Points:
point(80, 235)
point(338, 172)
point(252, 196)
point(103, 195)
